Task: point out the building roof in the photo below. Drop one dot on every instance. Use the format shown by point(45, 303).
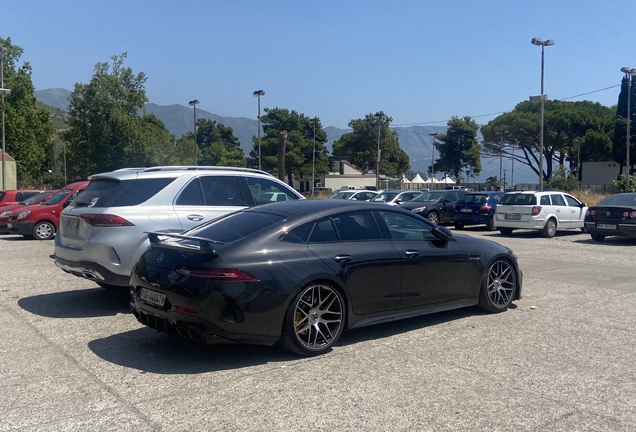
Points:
point(6, 157)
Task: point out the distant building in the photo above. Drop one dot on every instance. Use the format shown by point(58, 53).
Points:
point(600, 173)
point(11, 176)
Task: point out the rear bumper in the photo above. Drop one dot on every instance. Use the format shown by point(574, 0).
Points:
point(22, 227)
point(470, 219)
point(92, 271)
point(622, 230)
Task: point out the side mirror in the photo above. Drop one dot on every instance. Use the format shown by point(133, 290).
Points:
point(583, 205)
point(446, 200)
point(442, 233)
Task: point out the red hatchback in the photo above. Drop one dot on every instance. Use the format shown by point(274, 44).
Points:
point(40, 221)
point(6, 211)
point(10, 197)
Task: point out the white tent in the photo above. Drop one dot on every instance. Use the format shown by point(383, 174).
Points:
point(431, 180)
point(405, 180)
point(417, 179)
point(447, 180)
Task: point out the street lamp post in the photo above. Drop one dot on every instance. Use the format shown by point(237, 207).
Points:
point(379, 116)
point(193, 104)
point(434, 135)
point(501, 144)
point(3, 91)
point(504, 181)
point(542, 44)
point(258, 94)
point(313, 160)
point(630, 73)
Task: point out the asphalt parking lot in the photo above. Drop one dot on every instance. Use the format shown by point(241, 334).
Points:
point(72, 357)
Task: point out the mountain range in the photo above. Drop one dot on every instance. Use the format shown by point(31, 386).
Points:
point(416, 141)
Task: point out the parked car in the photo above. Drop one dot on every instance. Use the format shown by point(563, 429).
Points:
point(355, 195)
point(16, 196)
point(103, 233)
point(613, 216)
point(395, 196)
point(461, 188)
point(5, 211)
point(476, 208)
point(301, 272)
point(436, 206)
point(547, 211)
point(41, 221)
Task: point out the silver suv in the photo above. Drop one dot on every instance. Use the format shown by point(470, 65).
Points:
point(102, 233)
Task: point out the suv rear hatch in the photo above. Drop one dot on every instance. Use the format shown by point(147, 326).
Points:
point(517, 207)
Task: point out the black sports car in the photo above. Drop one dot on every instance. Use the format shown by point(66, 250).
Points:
point(436, 206)
point(299, 273)
point(614, 216)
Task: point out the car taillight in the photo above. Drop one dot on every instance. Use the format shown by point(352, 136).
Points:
point(225, 275)
point(590, 212)
point(454, 208)
point(105, 220)
point(631, 214)
point(485, 209)
point(536, 210)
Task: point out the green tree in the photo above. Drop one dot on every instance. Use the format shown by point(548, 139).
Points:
point(106, 131)
point(361, 146)
point(569, 127)
point(216, 145)
point(562, 179)
point(458, 148)
point(619, 138)
point(28, 129)
point(300, 144)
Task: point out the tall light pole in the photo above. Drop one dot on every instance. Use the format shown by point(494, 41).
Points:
point(542, 44)
point(629, 73)
point(193, 104)
point(313, 161)
point(501, 145)
point(434, 135)
point(258, 94)
point(3, 91)
point(379, 116)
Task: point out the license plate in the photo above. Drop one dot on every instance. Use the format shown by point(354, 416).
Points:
point(467, 210)
point(72, 223)
point(606, 226)
point(513, 216)
point(152, 297)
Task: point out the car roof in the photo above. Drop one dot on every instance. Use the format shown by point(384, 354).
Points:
point(172, 171)
point(322, 207)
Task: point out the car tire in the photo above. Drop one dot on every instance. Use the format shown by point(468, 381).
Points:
point(43, 230)
point(505, 231)
point(433, 217)
point(314, 321)
point(549, 229)
point(499, 286)
point(598, 237)
point(490, 224)
point(459, 226)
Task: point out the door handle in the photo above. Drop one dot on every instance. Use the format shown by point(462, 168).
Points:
point(195, 217)
point(342, 258)
point(412, 253)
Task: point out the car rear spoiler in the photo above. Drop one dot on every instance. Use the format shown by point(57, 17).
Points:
point(204, 245)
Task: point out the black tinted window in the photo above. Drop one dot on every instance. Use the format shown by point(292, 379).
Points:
point(115, 193)
point(191, 194)
point(627, 200)
point(518, 199)
point(406, 227)
point(557, 199)
point(266, 191)
point(236, 226)
point(222, 191)
point(323, 232)
point(299, 234)
point(357, 226)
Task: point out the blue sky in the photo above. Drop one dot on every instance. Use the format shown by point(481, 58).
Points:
point(421, 62)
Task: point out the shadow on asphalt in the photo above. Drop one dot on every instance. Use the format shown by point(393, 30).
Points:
point(610, 241)
point(148, 350)
point(85, 303)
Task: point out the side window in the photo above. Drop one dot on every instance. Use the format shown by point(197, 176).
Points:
point(557, 199)
point(299, 234)
point(222, 191)
point(265, 191)
point(357, 226)
point(572, 202)
point(191, 195)
point(19, 196)
point(406, 227)
point(451, 196)
point(545, 200)
point(323, 232)
point(497, 197)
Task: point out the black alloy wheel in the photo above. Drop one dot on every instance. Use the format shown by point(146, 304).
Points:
point(314, 321)
point(433, 217)
point(499, 287)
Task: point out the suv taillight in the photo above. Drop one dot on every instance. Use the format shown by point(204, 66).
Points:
point(224, 275)
point(536, 210)
point(105, 220)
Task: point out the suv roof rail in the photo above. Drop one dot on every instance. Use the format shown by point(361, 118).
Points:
point(200, 167)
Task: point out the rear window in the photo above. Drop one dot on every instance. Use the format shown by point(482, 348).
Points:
point(518, 199)
point(627, 200)
point(236, 226)
point(473, 199)
point(115, 193)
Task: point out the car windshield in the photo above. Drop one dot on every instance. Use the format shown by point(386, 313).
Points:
point(34, 198)
point(626, 200)
point(58, 197)
point(428, 196)
point(385, 196)
point(342, 195)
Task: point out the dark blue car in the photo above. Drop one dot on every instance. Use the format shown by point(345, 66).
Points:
point(476, 208)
